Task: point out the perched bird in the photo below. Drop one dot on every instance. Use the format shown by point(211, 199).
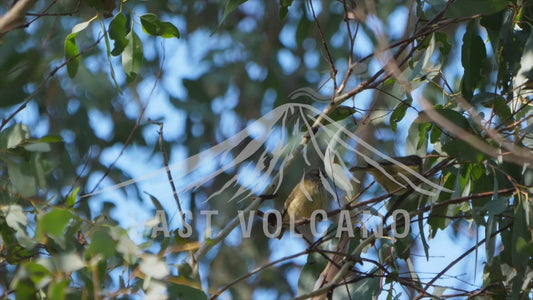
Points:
point(306, 197)
point(384, 170)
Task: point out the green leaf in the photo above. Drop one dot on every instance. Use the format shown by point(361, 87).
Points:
point(437, 219)
point(51, 139)
point(156, 202)
point(423, 235)
point(71, 199)
point(423, 130)
point(22, 177)
point(37, 147)
point(473, 55)
point(171, 31)
point(367, 288)
point(415, 138)
point(403, 246)
point(467, 8)
point(15, 217)
point(54, 223)
point(445, 47)
point(72, 50)
point(448, 114)
point(494, 24)
point(57, 290)
point(13, 136)
point(67, 262)
point(436, 133)
point(310, 272)
point(283, 12)
point(102, 243)
point(38, 274)
point(24, 289)
point(424, 64)
point(154, 26)
point(117, 32)
point(132, 57)
point(462, 150)
point(399, 112)
point(231, 5)
point(181, 291)
point(497, 103)
point(482, 183)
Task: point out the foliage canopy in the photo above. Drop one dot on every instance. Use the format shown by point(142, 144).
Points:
point(83, 83)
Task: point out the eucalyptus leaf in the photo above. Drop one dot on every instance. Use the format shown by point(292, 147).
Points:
point(132, 57)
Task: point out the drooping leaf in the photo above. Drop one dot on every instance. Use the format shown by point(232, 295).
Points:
point(132, 57)
point(72, 50)
point(154, 26)
point(15, 135)
point(284, 8)
point(231, 5)
point(437, 219)
point(117, 32)
point(473, 54)
point(399, 112)
point(22, 177)
point(310, 272)
point(71, 199)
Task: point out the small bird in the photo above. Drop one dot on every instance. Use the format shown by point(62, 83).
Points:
point(306, 197)
point(413, 162)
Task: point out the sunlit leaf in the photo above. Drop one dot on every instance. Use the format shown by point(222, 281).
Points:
point(14, 136)
point(153, 267)
point(102, 243)
point(55, 222)
point(71, 198)
point(72, 50)
point(132, 57)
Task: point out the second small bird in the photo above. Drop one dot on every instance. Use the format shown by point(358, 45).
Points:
point(306, 197)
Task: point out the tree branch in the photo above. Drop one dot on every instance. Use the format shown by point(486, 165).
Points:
point(15, 16)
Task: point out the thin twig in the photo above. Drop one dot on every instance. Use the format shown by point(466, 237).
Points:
point(450, 265)
point(135, 127)
point(169, 174)
point(255, 271)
